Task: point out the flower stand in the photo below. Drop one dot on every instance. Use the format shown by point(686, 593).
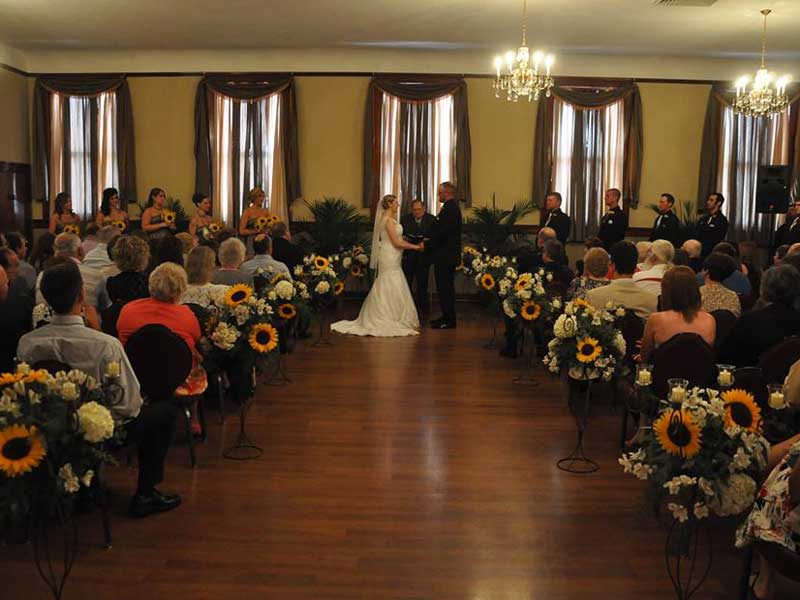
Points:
point(579, 393)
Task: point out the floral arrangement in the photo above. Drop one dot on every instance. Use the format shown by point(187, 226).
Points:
point(524, 298)
point(471, 260)
point(265, 222)
point(353, 262)
point(286, 297)
point(321, 279)
point(586, 343)
point(241, 323)
point(52, 430)
point(704, 452)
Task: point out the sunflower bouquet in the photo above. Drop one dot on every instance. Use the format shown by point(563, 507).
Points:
point(52, 430)
point(321, 279)
point(704, 454)
point(494, 276)
point(120, 224)
point(353, 262)
point(524, 299)
point(287, 298)
point(587, 343)
point(73, 229)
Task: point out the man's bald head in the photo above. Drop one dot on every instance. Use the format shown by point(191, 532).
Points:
point(545, 233)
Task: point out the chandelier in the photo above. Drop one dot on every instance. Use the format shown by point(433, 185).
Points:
point(767, 95)
point(521, 78)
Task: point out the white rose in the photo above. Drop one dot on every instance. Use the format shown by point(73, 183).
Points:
point(565, 326)
point(347, 262)
point(272, 296)
point(224, 336)
point(96, 422)
point(363, 259)
point(323, 287)
point(508, 309)
point(70, 391)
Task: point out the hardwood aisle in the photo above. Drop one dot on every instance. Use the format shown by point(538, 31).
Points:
point(403, 469)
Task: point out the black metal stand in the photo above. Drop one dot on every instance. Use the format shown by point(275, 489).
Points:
point(531, 357)
point(577, 461)
point(278, 377)
point(244, 448)
point(323, 341)
point(492, 343)
point(683, 553)
point(41, 524)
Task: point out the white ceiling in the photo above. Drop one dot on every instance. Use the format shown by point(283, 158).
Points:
point(729, 28)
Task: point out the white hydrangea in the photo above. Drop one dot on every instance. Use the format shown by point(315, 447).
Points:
point(347, 262)
point(272, 296)
point(678, 511)
point(96, 422)
point(565, 326)
point(224, 336)
point(241, 313)
point(323, 287)
point(736, 496)
point(508, 309)
point(69, 481)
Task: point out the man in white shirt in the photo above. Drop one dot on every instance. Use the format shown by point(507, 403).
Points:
point(68, 340)
point(262, 246)
point(93, 269)
point(623, 291)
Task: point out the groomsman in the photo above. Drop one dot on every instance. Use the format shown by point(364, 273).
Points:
point(712, 228)
point(417, 227)
point(614, 223)
point(666, 226)
point(556, 218)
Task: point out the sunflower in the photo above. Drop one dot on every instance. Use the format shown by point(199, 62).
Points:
point(261, 222)
point(356, 271)
point(588, 350)
point(169, 216)
point(741, 409)
point(237, 294)
point(338, 288)
point(263, 338)
point(583, 303)
point(287, 311)
point(524, 282)
point(272, 219)
point(72, 229)
point(321, 262)
point(278, 277)
point(37, 376)
point(11, 378)
point(677, 433)
point(215, 227)
point(20, 450)
point(487, 281)
point(530, 311)
point(471, 250)
point(357, 250)
point(119, 224)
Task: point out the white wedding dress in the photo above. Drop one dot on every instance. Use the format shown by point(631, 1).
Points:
point(389, 309)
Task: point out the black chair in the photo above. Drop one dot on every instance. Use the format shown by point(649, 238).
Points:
point(109, 317)
point(260, 283)
point(751, 379)
point(776, 362)
point(556, 289)
point(162, 362)
point(203, 316)
point(747, 302)
point(780, 558)
point(683, 356)
point(725, 321)
point(52, 366)
point(632, 330)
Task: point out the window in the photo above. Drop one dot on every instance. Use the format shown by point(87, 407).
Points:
point(246, 153)
point(588, 153)
point(417, 148)
point(74, 139)
point(746, 143)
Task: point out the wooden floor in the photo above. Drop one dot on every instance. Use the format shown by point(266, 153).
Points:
point(393, 469)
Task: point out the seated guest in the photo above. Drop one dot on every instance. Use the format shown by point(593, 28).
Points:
point(682, 312)
point(282, 248)
point(793, 260)
point(760, 329)
point(738, 281)
point(66, 339)
point(187, 243)
point(622, 291)
point(66, 246)
point(775, 516)
point(17, 242)
point(43, 251)
point(131, 256)
point(660, 259)
point(780, 252)
point(165, 248)
point(681, 259)
point(596, 272)
point(98, 257)
point(15, 321)
point(17, 286)
point(200, 265)
point(89, 238)
point(694, 250)
point(643, 249)
point(554, 262)
point(231, 257)
point(592, 242)
point(167, 283)
point(529, 259)
point(792, 384)
point(92, 268)
point(262, 246)
point(717, 267)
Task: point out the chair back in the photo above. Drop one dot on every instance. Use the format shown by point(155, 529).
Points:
point(776, 362)
point(52, 366)
point(260, 283)
point(108, 318)
point(751, 379)
point(556, 289)
point(725, 321)
point(784, 561)
point(747, 302)
point(161, 360)
point(632, 331)
point(202, 314)
point(683, 356)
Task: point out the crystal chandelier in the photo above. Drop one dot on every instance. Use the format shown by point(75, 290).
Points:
point(520, 77)
point(767, 96)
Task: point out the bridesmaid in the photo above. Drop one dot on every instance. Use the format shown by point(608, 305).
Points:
point(153, 221)
point(202, 218)
point(247, 222)
point(62, 214)
point(110, 210)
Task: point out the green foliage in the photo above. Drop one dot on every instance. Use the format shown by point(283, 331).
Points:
point(335, 226)
point(491, 229)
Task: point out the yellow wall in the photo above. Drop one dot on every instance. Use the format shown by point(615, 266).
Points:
point(14, 145)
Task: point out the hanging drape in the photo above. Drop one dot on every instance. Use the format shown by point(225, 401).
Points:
point(732, 149)
point(60, 100)
point(248, 92)
point(416, 118)
point(585, 101)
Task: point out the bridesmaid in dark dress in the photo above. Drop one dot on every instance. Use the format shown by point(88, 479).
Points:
point(62, 215)
point(153, 218)
point(111, 211)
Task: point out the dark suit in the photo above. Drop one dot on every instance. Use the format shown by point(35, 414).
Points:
point(667, 227)
point(417, 265)
point(286, 252)
point(788, 233)
point(613, 226)
point(711, 230)
point(15, 321)
point(757, 331)
point(445, 246)
point(560, 221)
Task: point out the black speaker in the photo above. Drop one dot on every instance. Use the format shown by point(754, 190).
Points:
point(772, 189)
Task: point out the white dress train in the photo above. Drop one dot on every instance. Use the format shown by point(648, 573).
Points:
point(389, 309)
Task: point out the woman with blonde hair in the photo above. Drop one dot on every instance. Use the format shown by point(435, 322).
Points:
point(595, 274)
point(255, 209)
point(200, 265)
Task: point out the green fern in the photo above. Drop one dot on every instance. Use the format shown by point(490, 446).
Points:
point(335, 226)
point(493, 228)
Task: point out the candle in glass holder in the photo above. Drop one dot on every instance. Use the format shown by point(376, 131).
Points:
point(725, 377)
point(112, 370)
point(644, 377)
point(777, 401)
point(678, 394)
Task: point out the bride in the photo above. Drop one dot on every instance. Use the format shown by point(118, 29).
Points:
point(389, 309)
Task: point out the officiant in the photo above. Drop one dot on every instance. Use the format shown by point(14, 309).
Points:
point(417, 226)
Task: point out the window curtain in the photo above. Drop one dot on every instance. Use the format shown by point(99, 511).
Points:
point(597, 116)
point(246, 136)
point(408, 113)
point(733, 148)
point(83, 139)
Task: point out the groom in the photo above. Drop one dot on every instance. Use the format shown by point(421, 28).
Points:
point(445, 248)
